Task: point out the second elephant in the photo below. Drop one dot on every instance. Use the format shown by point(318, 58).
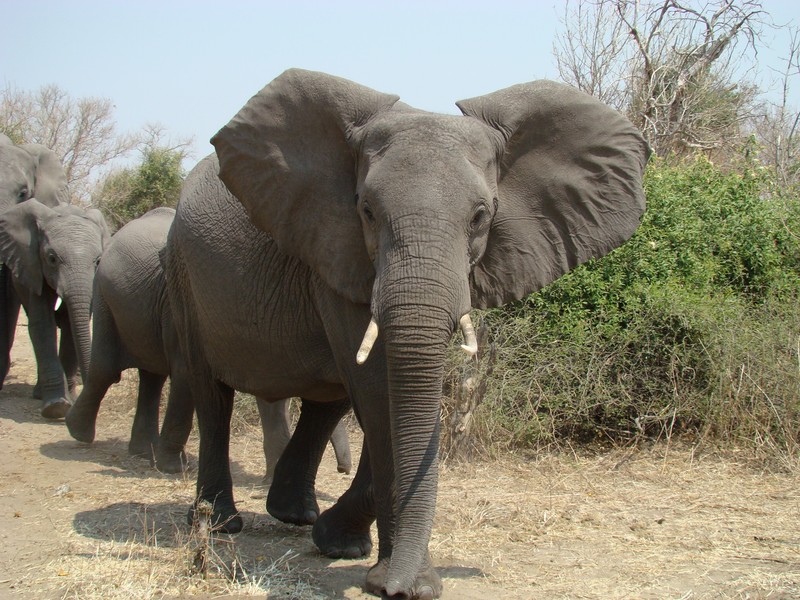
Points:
point(133, 329)
point(52, 254)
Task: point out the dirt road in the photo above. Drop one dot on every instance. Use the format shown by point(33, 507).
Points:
point(89, 522)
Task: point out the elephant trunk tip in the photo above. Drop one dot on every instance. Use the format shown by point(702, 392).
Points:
point(369, 340)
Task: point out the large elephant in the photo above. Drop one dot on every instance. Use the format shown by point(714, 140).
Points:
point(26, 171)
point(394, 221)
point(132, 328)
point(52, 254)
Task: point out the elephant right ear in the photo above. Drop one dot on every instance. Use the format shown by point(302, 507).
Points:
point(50, 187)
point(288, 156)
point(19, 242)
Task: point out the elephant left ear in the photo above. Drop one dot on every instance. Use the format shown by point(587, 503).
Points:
point(569, 186)
point(50, 186)
point(19, 242)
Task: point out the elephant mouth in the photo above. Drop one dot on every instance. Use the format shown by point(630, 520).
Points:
point(470, 345)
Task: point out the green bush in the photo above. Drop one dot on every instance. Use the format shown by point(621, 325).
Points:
point(690, 327)
point(129, 193)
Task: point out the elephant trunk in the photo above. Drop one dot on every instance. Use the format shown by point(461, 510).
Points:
point(78, 300)
point(415, 355)
point(79, 321)
point(417, 304)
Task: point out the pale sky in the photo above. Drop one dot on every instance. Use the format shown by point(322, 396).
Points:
point(190, 65)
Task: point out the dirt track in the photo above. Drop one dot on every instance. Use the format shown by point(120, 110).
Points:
point(88, 522)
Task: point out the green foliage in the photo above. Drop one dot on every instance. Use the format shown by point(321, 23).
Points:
point(690, 327)
point(130, 193)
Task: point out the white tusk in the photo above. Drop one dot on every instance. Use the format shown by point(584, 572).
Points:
point(366, 345)
point(470, 345)
point(58, 302)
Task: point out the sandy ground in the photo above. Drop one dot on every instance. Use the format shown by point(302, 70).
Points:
point(87, 521)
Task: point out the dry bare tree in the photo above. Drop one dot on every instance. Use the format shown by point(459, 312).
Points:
point(81, 132)
point(675, 67)
point(778, 128)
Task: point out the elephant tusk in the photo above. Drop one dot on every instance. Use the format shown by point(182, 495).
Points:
point(58, 302)
point(470, 345)
point(366, 345)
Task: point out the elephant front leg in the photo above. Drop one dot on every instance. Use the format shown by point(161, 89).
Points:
point(292, 496)
point(343, 531)
point(275, 432)
point(9, 312)
point(42, 331)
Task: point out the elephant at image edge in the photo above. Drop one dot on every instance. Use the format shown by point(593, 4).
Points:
point(26, 171)
point(53, 253)
point(132, 328)
point(391, 221)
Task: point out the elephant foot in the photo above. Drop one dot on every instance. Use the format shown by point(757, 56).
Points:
point(220, 519)
point(344, 468)
point(79, 427)
point(56, 409)
point(287, 505)
point(5, 367)
point(142, 449)
point(338, 535)
point(426, 586)
point(173, 462)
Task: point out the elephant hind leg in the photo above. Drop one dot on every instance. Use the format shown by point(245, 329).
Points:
point(144, 432)
point(170, 455)
point(214, 406)
point(340, 441)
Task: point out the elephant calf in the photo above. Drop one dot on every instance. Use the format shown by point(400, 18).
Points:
point(51, 255)
point(133, 329)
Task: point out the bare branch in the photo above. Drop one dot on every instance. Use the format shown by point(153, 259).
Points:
point(82, 133)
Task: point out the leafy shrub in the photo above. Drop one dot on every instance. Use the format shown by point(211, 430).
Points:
point(129, 193)
point(690, 327)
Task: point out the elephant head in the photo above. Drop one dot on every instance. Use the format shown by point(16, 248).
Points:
point(424, 216)
point(28, 171)
point(57, 248)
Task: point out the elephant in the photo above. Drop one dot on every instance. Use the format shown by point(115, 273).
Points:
point(26, 171)
point(52, 254)
point(335, 242)
point(132, 328)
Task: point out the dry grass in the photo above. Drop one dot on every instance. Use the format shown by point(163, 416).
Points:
point(670, 521)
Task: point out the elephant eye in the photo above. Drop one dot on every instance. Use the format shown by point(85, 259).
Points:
point(23, 194)
point(52, 258)
point(479, 218)
point(365, 208)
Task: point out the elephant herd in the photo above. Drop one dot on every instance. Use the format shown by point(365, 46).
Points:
point(328, 249)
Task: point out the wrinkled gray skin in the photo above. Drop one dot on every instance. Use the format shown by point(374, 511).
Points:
point(54, 252)
point(377, 210)
point(275, 425)
point(132, 328)
point(26, 171)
